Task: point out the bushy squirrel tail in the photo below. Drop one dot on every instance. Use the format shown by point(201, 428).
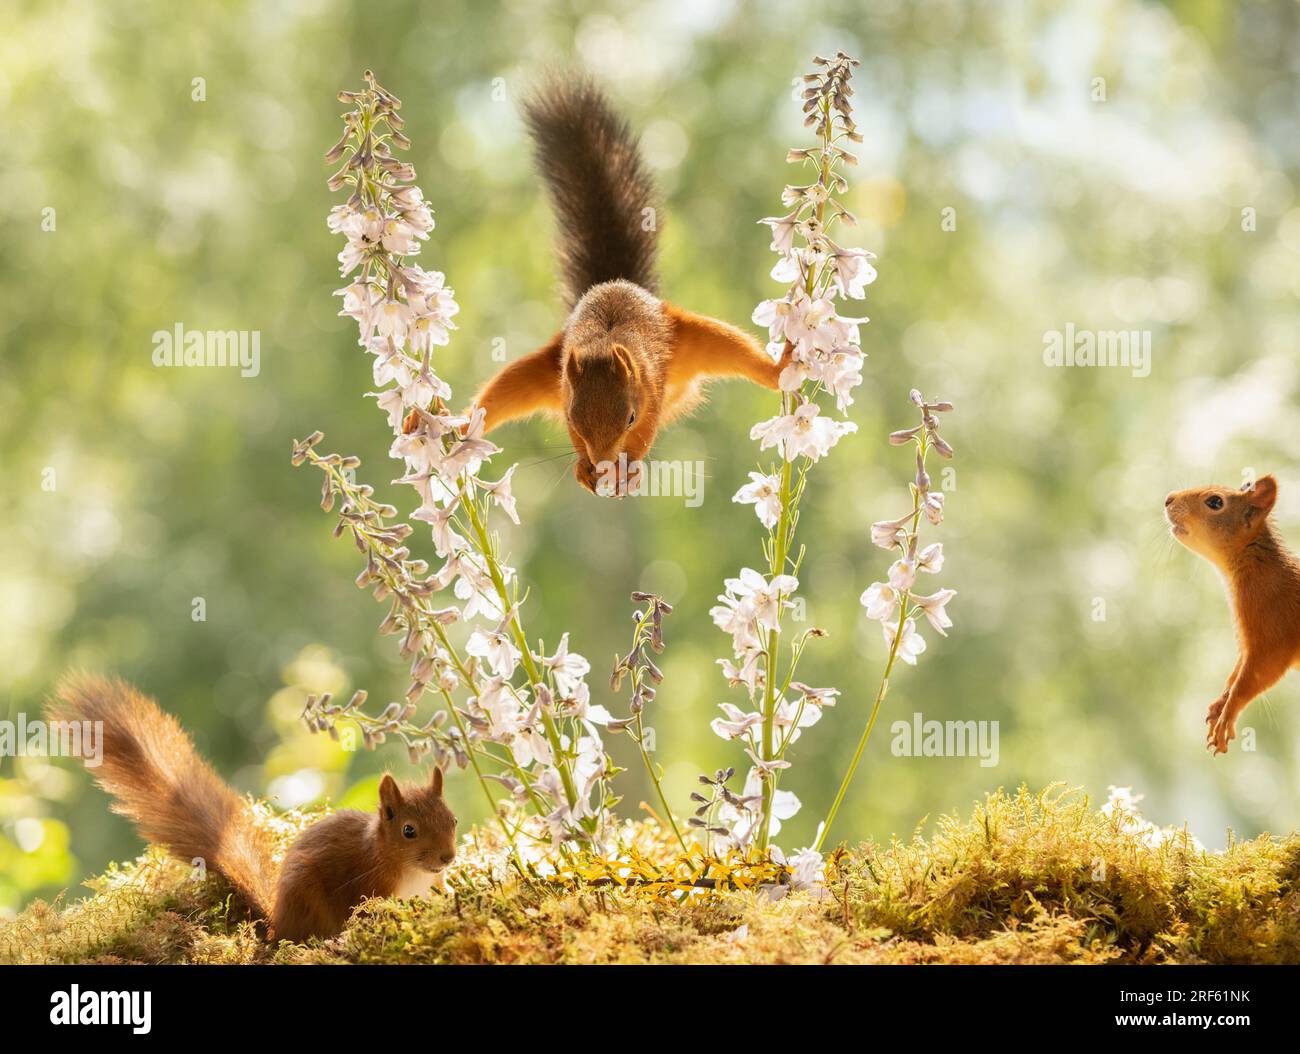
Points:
point(604, 199)
point(172, 795)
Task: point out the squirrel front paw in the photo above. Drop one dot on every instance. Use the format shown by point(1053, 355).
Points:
point(585, 473)
point(1222, 730)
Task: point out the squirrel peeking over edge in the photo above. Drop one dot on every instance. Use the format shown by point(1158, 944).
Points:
point(175, 799)
point(626, 362)
point(1233, 529)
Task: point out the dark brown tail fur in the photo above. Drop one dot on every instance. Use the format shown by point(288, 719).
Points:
point(170, 793)
point(598, 184)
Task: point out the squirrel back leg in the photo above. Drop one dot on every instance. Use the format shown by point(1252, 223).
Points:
point(704, 347)
point(527, 386)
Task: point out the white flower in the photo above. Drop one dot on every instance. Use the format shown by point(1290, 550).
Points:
point(737, 618)
point(881, 601)
point(853, 273)
point(390, 364)
point(934, 508)
point(766, 599)
point(530, 746)
point(420, 217)
point(783, 230)
point(814, 324)
point(784, 803)
point(910, 646)
point(398, 238)
point(588, 768)
point(842, 374)
point(568, 668)
point(889, 533)
point(773, 314)
point(419, 450)
point(807, 869)
point(340, 218)
point(363, 230)
point(802, 432)
point(934, 607)
point(749, 670)
point(796, 715)
point(468, 453)
point(424, 386)
point(496, 647)
point(736, 722)
point(390, 401)
point(902, 573)
point(407, 197)
point(361, 301)
point(500, 707)
point(430, 330)
point(764, 493)
point(765, 768)
point(931, 558)
point(792, 268)
point(392, 319)
point(501, 494)
point(445, 538)
point(812, 194)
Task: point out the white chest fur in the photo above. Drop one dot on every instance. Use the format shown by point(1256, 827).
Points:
point(416, 882)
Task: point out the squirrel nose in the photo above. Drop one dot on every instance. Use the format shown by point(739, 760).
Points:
point(1169, 500)
point(448, 857)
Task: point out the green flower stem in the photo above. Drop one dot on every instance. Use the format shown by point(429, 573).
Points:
point(645, 754)
point(780, 549)
point(530, 666)
point(904, 609)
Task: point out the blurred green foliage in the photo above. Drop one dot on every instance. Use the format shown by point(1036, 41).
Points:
point(129, 490)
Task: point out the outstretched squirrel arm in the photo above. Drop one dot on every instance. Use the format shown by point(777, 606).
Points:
point(704, 347)
point(527, 386)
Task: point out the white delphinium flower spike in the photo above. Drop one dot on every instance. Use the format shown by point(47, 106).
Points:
point(822, 364)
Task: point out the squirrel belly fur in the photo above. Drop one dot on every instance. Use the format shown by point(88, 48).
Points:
point(175, 799)
point(1234, 530)
point(626, 362)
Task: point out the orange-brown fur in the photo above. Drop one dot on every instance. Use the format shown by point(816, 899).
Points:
point(175, 799)
point(1263, 577)
point(626, 363)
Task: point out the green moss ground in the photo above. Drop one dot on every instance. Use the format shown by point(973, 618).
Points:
point(1025, 878)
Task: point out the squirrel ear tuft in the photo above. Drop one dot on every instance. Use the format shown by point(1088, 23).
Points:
point(436, 781)
point(624, 358)
point(390, 796)
point(1263, 494)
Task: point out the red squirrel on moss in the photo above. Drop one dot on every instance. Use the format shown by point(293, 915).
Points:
point(175, 799)
point(1234, 530)
point(626, 363)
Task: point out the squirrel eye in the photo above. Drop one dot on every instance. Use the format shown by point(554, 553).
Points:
point(1214, 501)
point(408, 831)
point(631, 419)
